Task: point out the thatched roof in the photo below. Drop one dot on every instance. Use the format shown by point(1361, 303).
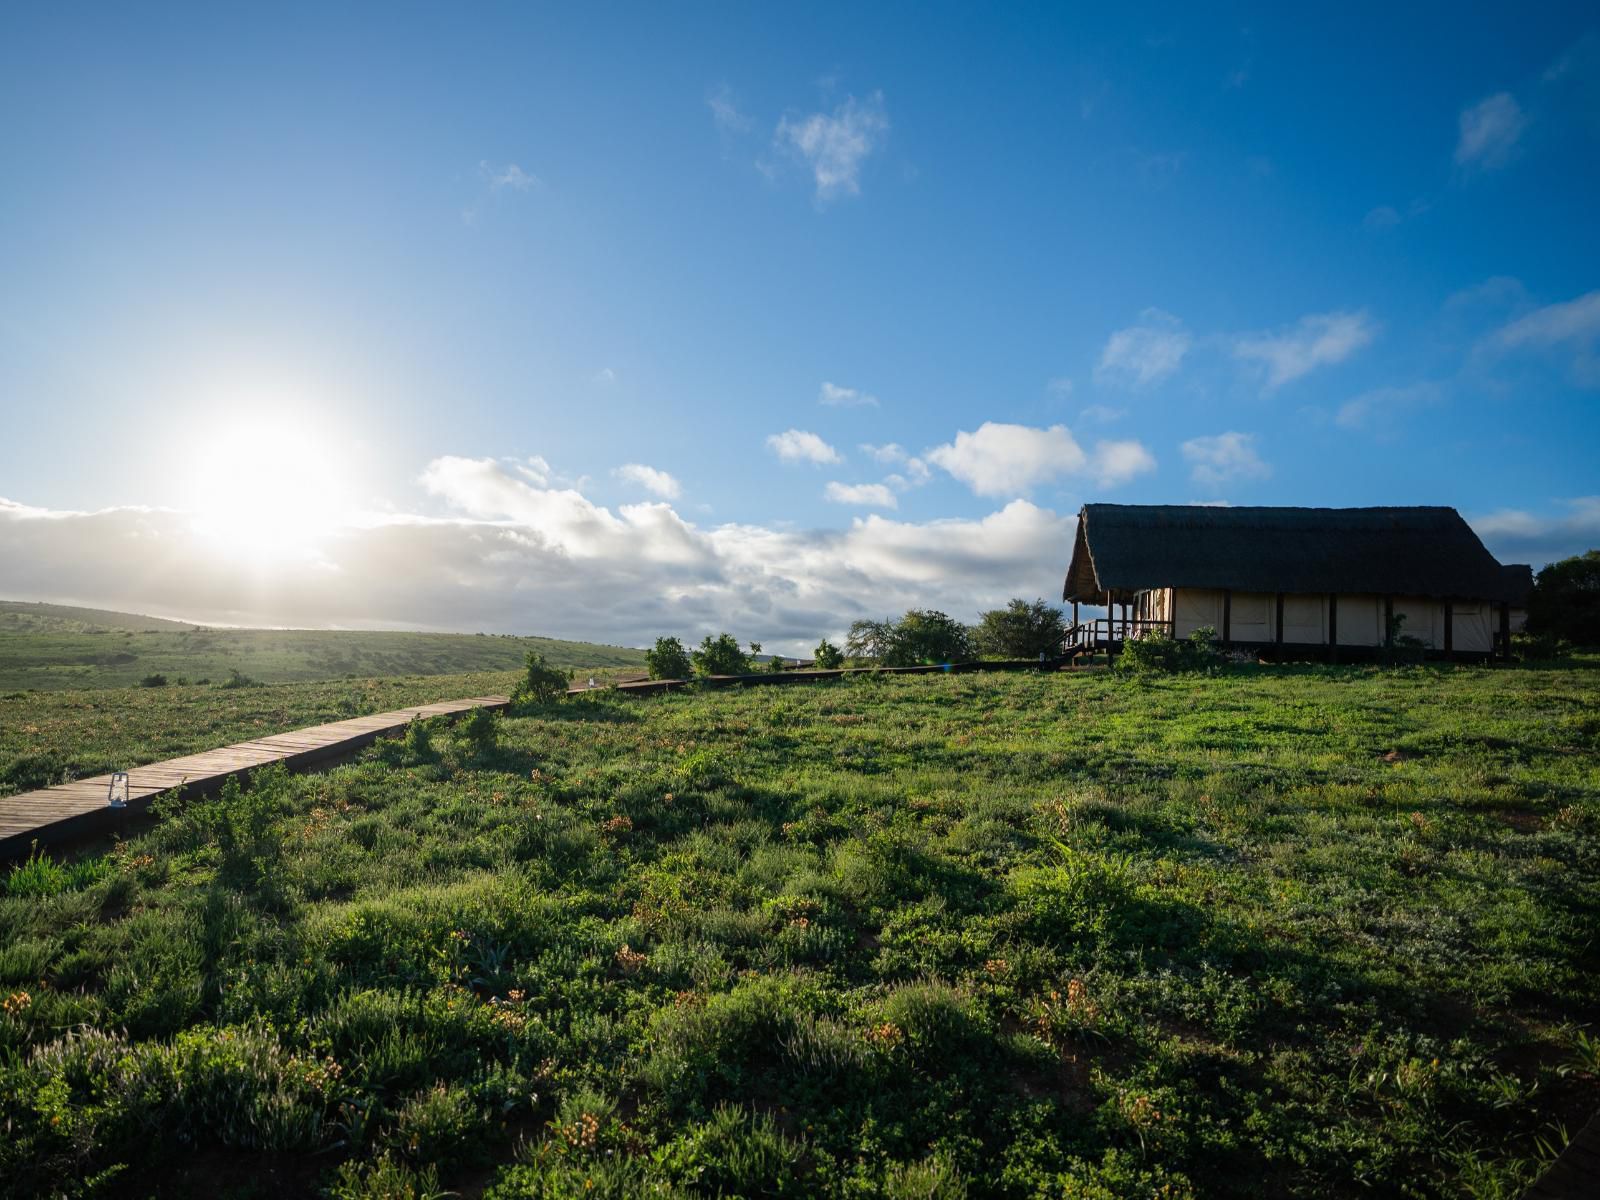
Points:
point(1126, 548)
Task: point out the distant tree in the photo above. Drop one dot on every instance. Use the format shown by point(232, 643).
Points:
point(869, 639)
point(669, 660)
point(540, 682)
point(927, 636)
point(1565, 602)
point(721, 656)
point(827, 656)
point(1020, 630)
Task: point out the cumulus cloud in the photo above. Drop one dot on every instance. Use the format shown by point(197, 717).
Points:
point(1318, 340)
point(516, 557)
point(652, 480)
point(834, 145)
point(844, 397)
point(863, 495)
point(1007, 460)
point(1489, 132)
point(797, 445)
point(1223, 458)
point(1516, 535)
point(1145, 353)
point(1573, 325)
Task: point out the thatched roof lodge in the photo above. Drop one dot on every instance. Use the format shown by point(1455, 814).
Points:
point(1292, 577)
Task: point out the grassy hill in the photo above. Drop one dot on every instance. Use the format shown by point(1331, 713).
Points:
point(23, 616)
point(51, 647)
point(1302, 932)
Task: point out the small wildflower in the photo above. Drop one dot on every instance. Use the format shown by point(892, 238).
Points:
point(630, 960)
point(16, 1004)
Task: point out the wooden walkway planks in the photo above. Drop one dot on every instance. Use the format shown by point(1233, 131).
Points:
point(78, 809)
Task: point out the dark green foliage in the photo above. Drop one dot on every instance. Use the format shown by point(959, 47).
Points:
point(541, 683)
point(669, 660)
point(721, 656)
point(921, 636)
point(1565, 602)
point(238, 679)
point(1157, 653)
point(153, 681)
point(827, 656)
point(1020, 630)
point(479, 731)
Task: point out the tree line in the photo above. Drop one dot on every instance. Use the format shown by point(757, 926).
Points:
point(1022, 629)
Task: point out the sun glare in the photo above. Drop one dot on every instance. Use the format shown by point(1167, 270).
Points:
point(267, 493)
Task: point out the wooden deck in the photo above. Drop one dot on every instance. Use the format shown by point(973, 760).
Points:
point(79, 809)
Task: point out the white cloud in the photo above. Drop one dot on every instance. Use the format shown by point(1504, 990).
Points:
point(1102, 414)
point(1516, 535)
point(1223, 458)
point(869, 495)
point(1379, 407)
point(725, 111)
point(834, 145)
point(1061, 385)
point(507, 178)
point(1006, 460)
point(1489, 132)
point(844, 397)
point(797, 445)
point(1382, 217)
point(605, 376)
point(652, 480)
point(515, 557)
point(1118, 462)
point(1318, 340)
point(889, 452)
point(1573, 324)
point(1145, 353)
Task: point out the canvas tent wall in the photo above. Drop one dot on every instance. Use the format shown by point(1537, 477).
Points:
point(1325, 575)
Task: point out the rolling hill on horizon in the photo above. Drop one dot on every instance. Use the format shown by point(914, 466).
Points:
point(50, 647)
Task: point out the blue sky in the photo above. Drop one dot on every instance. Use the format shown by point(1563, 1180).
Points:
point(623, 320)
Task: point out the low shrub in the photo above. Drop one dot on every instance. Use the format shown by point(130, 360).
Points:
point(668, 660)
point(479, 732)
point(721, 656)
point(828, 657)
point(153, 681)
point(541, 683)
point(1157, 653)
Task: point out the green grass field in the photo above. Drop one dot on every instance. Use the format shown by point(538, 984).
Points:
point(1317, 932)
point(52, 647)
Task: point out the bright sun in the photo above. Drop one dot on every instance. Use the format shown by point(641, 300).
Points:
point(267, 493)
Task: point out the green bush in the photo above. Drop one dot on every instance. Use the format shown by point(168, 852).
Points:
point(153, 681)
point(921, 636)
point(479, 732)
point(721, 656)
point(668, 660)
point(1157, 653)
point(541, 683)
point(1020, 630)
point(827, 656)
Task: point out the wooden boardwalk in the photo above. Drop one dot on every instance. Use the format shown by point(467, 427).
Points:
point(79, 809)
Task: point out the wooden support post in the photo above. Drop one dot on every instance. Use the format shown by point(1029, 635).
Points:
point(1227, 615)
point(1449, 627)
point(1333, 627)
point(1277, 622)
point(1388, 622)
point(1505, 630)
